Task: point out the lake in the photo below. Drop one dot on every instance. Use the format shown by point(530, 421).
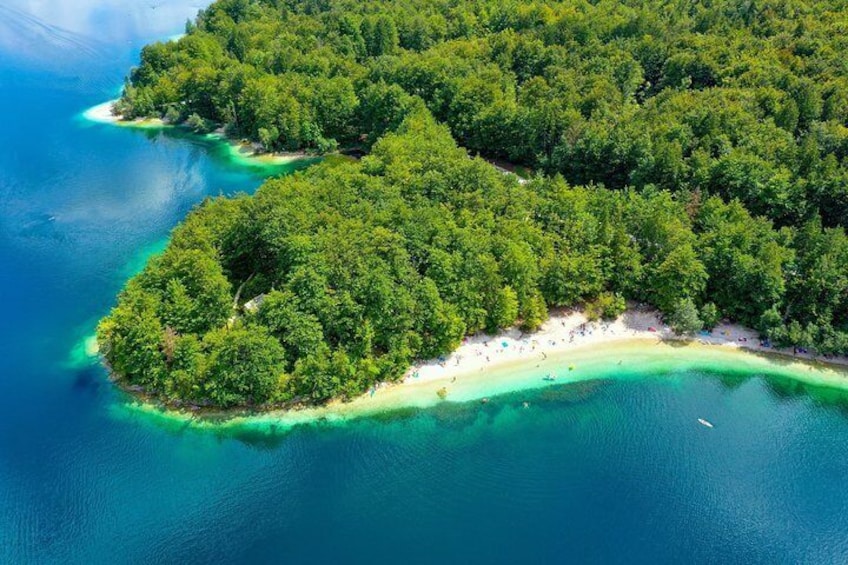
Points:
point(606, 470)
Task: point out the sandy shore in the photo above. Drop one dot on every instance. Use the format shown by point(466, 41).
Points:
point(567, 347)
point(252, 153)
point(568, 331)
point(102, 113)
point(246, 152)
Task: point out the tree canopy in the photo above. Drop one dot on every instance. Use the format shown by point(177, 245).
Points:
point(743, 100)
point(365, 266)
point(695, 157)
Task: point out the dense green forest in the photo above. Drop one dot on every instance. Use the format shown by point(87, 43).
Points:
point(695, 158)
point(368, 265)
point(740, 98)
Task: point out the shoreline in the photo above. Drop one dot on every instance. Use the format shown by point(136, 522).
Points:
point(566, 346)
point(567, 330)
point(243, 151)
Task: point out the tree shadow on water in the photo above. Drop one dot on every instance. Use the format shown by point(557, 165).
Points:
point(87, 381)
point(782, 387)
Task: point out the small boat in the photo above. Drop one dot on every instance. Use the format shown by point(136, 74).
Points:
point(705, 423)
point(549, 377)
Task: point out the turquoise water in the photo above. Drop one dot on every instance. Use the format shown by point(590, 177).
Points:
point(600, 471)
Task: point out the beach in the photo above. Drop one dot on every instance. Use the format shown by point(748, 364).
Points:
point(568, 331)
point(566, 349)
point(569, 348)
point(248, 153)
point(102, 114)
point(251, 153)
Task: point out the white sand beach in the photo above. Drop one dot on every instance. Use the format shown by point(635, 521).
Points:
point(568, 348)
point(252, 153)
point(102, 113)
point(249, 153)
point(567, 331)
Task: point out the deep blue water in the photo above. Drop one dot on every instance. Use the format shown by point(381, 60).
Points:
point(612, 471)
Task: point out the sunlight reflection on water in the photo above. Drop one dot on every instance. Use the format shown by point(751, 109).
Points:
point(49, 32)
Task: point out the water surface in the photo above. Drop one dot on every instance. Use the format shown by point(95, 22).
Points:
point(603, 470)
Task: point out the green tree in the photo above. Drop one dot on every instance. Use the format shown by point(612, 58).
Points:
point(680, 275)
point(244, 366)
point(300, 333)
point(130, 338)
point(684, 319)
point(504, 310)
point(607, 306)
point(710, 315)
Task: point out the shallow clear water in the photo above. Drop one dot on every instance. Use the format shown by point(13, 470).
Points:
point(606, 470)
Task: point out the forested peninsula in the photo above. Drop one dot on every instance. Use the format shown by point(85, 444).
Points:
point(693, 156)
